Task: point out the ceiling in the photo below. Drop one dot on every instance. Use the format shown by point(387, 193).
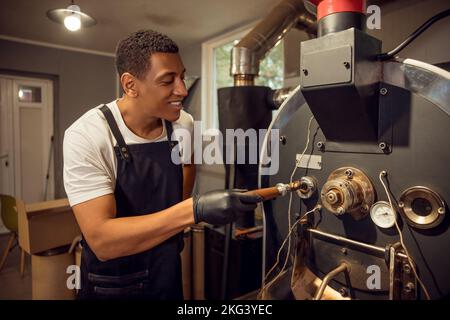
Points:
point(185, 21)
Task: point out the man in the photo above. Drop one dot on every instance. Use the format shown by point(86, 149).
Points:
point(124, 188)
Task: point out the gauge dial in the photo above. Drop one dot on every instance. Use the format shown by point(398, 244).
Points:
point(382, 214)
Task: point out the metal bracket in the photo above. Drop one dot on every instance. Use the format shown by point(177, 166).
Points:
point(402, 282)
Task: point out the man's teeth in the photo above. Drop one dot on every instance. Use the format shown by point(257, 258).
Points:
point(176, 103)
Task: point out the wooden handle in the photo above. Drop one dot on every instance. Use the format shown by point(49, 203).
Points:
point(266, 193)
point(273, 192)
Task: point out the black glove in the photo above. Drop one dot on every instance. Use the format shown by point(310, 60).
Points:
point(223, 206)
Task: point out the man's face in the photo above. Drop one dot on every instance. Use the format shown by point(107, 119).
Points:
point(162, 89)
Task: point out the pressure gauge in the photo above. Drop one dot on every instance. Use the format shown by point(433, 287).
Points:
point(382, 214)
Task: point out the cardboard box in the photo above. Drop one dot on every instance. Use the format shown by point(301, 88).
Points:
point(46, 225)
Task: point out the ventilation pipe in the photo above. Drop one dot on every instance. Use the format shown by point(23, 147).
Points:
point(254, 46)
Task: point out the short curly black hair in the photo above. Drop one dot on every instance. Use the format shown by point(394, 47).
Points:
point(133, 52)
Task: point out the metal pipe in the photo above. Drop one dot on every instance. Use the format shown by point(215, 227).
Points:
point(264, 36)
point(198, 262)
point(241, 80)
point(392, 253)
point(343, 267)
point(353, 242)
point(307, 23)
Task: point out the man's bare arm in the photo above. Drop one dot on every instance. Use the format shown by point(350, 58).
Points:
point(188, 180)
point(110, 237)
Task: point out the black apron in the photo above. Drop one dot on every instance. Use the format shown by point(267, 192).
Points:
point(147, 182)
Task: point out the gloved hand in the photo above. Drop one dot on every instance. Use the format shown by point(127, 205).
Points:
point(223, 206)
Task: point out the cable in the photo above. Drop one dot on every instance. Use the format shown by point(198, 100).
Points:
point(414, 35)
point(289, 214)
point(410, 260)
point(317, 207)
point(297, 164)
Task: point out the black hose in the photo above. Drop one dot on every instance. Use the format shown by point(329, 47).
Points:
point(413, 36)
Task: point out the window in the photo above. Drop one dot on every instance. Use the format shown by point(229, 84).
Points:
point(216, 71)
point(29, 94)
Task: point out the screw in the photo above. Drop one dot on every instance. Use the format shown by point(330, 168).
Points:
point(305, 72)
point(349, 173)
point(283, 140)
point(401, 204)
point(407, 268)
point(383, 91)
point(383, 146)
point(343, 291)
point(344, 250)
point(365, 208)
point(441, 210)
point(340, 210)
point(409, 287)
point(347, 64)
point(320, 145)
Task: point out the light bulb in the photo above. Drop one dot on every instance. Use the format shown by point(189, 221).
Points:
point(72, 22)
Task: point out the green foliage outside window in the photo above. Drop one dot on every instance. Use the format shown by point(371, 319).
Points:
point(270, 69)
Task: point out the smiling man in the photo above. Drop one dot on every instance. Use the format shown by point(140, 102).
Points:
point(125, 190)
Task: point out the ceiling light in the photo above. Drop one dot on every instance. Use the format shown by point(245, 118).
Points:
point(72, 17)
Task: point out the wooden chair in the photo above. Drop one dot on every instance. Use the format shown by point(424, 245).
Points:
point(10, 220)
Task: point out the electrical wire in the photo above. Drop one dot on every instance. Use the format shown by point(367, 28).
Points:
point(414, 35)
point(410, 260)
point(297, 162)
point(317, 207)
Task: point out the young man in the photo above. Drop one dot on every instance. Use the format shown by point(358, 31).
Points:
point(124, 188)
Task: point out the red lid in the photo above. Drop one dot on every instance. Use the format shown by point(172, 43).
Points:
point(326, 7)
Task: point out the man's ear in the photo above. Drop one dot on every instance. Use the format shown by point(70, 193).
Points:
point(129, 84)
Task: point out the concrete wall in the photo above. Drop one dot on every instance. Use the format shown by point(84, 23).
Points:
point(399, 19)
point(82, 82)
point(209, 177)
point(193, 63)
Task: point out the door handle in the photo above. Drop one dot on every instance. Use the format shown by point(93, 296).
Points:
point(5, 156)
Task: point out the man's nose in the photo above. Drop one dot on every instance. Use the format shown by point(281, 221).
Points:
point(180, 89)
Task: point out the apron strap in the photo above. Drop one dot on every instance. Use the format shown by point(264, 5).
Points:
point(123, 148)
point(169, 129)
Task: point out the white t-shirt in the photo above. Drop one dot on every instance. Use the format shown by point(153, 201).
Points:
point(90, 163)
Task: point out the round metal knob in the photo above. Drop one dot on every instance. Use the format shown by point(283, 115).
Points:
point(332, 197)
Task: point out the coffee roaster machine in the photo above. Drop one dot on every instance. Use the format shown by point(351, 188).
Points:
point(366, 134)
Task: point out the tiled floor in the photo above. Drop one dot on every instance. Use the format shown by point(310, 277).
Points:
point(12, 286)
